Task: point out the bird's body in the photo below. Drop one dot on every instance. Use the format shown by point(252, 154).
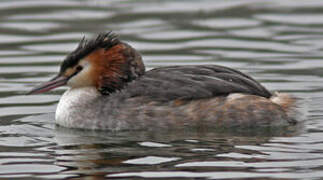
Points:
point(110, 90)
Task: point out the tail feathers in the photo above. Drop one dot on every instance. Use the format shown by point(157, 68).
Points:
point(293, 106)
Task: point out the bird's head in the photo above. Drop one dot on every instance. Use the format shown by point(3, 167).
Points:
point(103, 62)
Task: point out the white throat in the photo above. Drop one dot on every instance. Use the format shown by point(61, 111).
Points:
point(72, 105)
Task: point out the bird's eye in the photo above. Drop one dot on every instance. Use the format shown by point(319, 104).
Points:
point(79, 68)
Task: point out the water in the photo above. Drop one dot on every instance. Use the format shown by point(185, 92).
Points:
point(278, 42)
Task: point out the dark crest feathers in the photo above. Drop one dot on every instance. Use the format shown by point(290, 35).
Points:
point(85, 47)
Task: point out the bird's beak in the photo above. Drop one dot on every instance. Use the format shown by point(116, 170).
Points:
point(57, 81)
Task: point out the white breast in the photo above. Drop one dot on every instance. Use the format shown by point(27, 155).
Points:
point(73, 108)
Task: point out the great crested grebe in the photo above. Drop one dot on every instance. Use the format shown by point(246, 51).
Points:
point(110, 90)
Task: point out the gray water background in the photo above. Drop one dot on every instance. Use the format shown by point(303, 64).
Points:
point(278, 42)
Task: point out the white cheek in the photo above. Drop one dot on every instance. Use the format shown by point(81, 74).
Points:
point(83, 78)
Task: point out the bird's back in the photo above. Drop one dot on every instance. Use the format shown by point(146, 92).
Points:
point(194, 82)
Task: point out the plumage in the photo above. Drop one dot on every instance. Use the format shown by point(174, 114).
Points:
point(85, 47)
point(194, 82)
point(110, 90)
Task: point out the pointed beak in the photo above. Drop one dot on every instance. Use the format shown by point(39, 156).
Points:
point(51, 84)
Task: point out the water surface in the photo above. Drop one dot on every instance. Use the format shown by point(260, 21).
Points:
point(277, 42)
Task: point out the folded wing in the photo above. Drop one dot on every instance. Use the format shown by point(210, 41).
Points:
point(194, 82)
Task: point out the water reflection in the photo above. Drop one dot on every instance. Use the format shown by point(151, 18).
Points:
point(105, 153)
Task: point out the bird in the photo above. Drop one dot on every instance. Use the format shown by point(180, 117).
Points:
point(110, 89)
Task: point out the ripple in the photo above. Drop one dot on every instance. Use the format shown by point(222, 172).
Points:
point(24, 110)
point(301, 19)
point(52, 47)
point(30, 26)
point(189, 6)
point(228, 23)
point(256, 32)
point(175, 35)
point(31, 168)
point(63, 15)
point(277, 42)
point(35, 3)
point(29, 99)
point(154, 144)
point(150, 160)
point(183, 174)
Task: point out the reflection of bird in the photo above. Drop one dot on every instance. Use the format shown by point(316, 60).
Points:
point(109, 89)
